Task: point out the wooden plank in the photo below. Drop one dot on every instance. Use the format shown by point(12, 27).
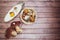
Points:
point(40, 9)
point(2, 26)
point(32, 0)
point(41, 15)
point(33, 39)
point(36, 9)
point(38, 20)
point(33, 36)
point(53, 4)
point(36, 31)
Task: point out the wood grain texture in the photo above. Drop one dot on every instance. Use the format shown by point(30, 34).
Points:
point(47, 25)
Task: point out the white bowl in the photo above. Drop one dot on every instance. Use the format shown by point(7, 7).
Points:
point(24, 20)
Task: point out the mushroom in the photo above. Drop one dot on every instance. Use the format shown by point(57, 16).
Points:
point(32, 19)
point(10, 32)
point(25, 11)
point(15, 25)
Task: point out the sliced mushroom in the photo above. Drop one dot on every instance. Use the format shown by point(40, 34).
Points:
point(25, 11)
point(10, 32)
point(32, 19)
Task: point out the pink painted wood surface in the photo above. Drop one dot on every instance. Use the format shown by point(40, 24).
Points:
point(47, 25)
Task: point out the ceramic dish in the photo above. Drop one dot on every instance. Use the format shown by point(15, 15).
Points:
point(28, 16)
point(13, 12)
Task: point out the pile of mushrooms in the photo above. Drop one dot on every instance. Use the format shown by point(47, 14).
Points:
point(13, 30)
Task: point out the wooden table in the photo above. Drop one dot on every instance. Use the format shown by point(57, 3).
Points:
point(47, 25)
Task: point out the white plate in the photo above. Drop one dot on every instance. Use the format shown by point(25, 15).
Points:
point(25, 21)
point(16, 12)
